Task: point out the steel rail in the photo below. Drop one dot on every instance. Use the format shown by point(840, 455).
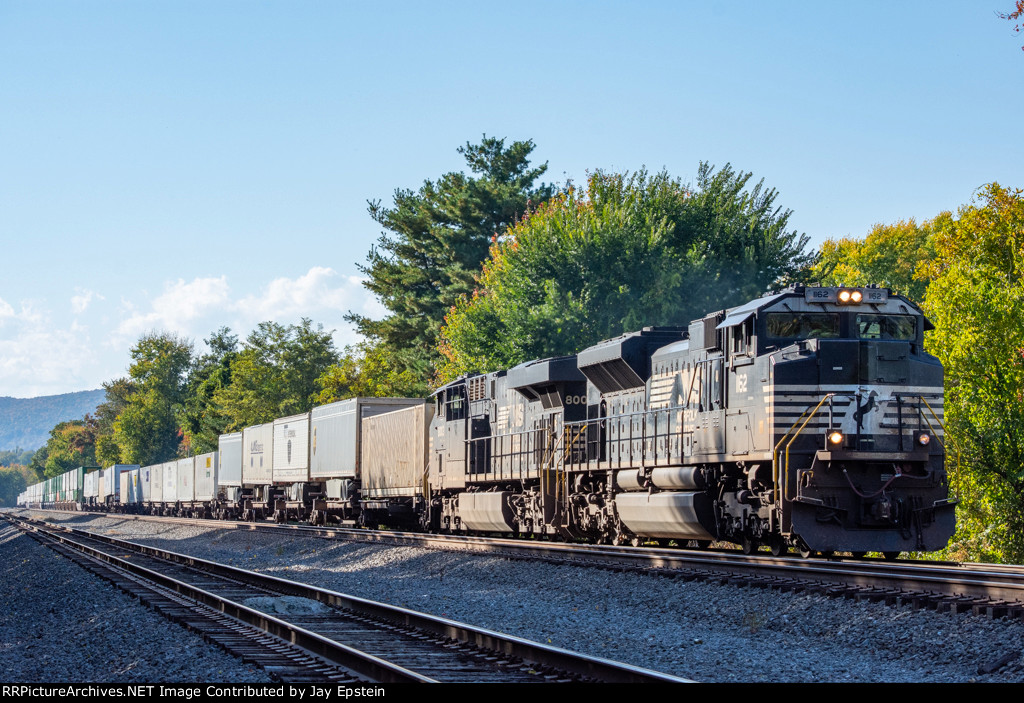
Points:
point(359, 662)
point(541, 655)
point(972, 580)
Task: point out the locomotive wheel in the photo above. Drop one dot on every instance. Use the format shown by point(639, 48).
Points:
point(891, 556)
point(805, 551)
point(749, 546)
point(778, 546)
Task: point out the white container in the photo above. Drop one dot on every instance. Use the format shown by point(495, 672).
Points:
point(147, 489)
point(291, 449)
point(170, 482)
point(92, 486)
point(258, 455)
point(156, 483)
point(131, 487)
point(335, 434)
point(125, 492)
point(186, 480)
point(206, 476)
point(229, 457)
point(136, 485)
point(110, 481)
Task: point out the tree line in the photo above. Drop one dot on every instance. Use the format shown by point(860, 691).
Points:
point(486, 269)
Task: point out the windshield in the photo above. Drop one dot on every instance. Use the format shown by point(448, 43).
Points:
point(886, 326)
point(803, 325)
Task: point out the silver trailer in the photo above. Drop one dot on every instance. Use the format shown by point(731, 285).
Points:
point(145, 480)
point(335, 434)
point(291, 449)
point(230, 459)
point(258, 455)
point(125, 491)
point(131, 488)
point(395, 448)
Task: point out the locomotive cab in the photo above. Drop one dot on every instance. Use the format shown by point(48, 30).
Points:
point(855, 404)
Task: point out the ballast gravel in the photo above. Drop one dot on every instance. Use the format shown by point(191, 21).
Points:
point(701, 631)
point(63, 624)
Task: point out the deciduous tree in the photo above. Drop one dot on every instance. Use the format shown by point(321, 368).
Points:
point(629, 251)
point(976, 301)
point(202, 418)
point(893, 255)
point(367, 370)
point(71, 444)
point(146, 429)
point(276, 373)
point(1015, 16)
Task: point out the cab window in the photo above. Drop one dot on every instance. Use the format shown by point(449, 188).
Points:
point(803, 325)
point(887, 327)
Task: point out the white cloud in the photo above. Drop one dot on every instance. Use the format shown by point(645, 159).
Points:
point(43, 353)
point(38, 357)
point(287, 297)
point(198, 307)
point(321, 294)
point(80, 301)
point(176, 309)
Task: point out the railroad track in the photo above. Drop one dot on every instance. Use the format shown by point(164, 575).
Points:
point(992, 590)
point(322, 635)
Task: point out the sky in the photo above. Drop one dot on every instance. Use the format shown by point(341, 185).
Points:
point(183, 166)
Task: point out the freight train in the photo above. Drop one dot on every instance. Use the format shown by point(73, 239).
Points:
point(808, 419)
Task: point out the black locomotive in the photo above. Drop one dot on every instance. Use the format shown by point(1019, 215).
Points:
point(807, 419)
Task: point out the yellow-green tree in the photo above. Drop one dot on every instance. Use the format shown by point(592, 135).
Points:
point(367, 370)
point(976, 301)
point(71, 444)
point(890, 255)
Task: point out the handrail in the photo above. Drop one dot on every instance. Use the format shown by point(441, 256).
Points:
point(941, 443)
point(665, 433)
point(930, 426)
point(775, 468)
point(785, 471)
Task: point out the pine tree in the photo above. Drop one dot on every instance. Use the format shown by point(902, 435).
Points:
point(434, 242)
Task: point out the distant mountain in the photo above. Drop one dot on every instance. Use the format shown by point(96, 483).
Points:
point(26, 422)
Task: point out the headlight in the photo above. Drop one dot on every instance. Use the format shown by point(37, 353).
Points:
point(923, 439)
point(849, 296)
point(835, 438)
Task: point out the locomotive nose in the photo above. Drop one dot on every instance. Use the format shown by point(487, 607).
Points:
point(863, 362)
